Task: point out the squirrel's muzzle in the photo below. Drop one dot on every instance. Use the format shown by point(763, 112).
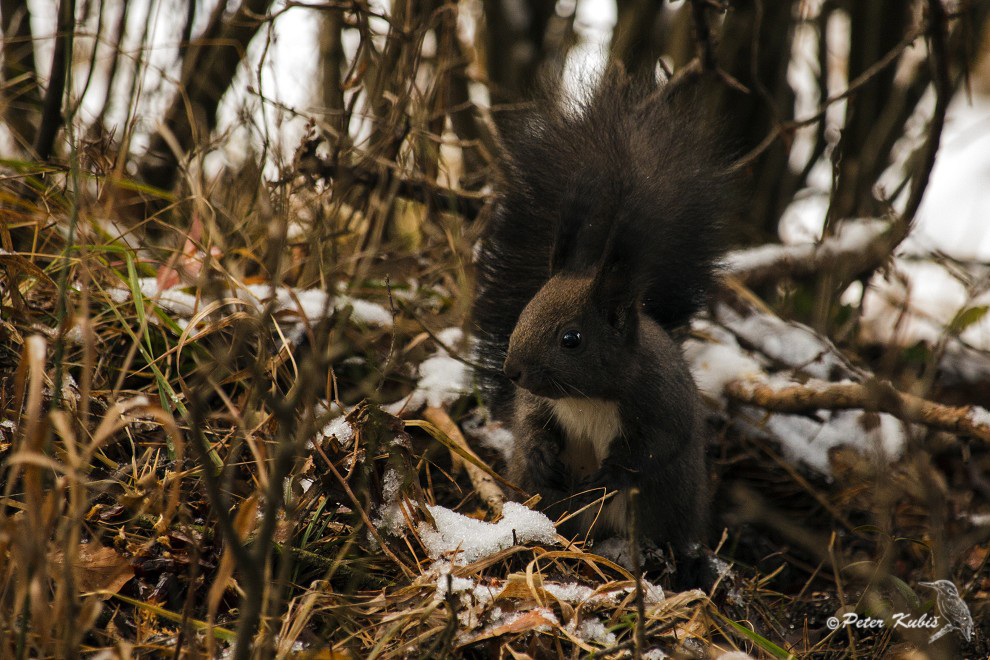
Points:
point(512, 369)
point(528, 376)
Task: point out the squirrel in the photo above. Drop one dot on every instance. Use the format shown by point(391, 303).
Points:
point(604, 238)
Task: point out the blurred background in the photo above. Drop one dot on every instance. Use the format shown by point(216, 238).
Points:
point(826, 104)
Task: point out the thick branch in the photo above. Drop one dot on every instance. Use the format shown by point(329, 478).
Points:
point(468, 125)
point(332, 61)
point(875, 396)
point(937, 30)
point(515, 49)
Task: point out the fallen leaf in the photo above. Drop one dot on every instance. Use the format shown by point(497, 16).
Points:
point(531, 620)
point(96, 568)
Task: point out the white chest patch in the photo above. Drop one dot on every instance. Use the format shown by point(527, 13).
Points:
point(590, 426)
point(593, 423)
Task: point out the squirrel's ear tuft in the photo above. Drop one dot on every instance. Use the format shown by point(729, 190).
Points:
point(564, 237)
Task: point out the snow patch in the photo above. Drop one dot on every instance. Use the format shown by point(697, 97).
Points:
point(340, 429)
point(715, 365)
point(792, 344)
point(654, 654)
point(311, 305)
point(924, 297)
point(593, 631)
point(979, 416)
point(808, 441)
point(442, 380)
point(476, 539)
point(363, 311)
point(572, 593)
point(390, 513)
point(450, 337)
point(451, 584)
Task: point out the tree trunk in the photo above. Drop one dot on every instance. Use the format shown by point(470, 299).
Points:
point(207, 72)
point(514, 45)
point(51, 109)
point(876, 28)
point(21, 105)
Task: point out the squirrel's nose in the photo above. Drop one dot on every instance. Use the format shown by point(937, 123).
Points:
point(512, 369)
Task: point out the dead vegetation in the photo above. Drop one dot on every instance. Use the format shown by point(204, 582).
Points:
point(179, 343)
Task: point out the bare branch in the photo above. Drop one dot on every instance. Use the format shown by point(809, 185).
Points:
point(874, 396)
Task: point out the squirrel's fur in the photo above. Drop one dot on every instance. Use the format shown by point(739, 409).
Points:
point(607, 226)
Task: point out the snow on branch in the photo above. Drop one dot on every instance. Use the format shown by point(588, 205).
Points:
point(857, 244)
point(872, 396)
point(792, 385)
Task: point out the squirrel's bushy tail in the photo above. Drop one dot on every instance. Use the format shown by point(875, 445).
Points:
point(634, 167)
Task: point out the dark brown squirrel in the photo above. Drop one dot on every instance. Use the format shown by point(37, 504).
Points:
point(603, 239)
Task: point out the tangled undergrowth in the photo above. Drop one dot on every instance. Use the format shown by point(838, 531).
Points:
point(247, 443)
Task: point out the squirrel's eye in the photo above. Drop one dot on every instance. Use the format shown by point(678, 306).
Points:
point(570, 339)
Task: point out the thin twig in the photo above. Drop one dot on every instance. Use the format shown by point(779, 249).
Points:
point(860, 80)
point(391, 344)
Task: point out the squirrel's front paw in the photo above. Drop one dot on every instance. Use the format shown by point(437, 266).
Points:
point(548, 470)
point(591, 488)
point(607, 478)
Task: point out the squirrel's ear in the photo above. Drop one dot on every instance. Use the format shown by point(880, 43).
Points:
point(617, 298)
point(623, 316)
point(616, 287)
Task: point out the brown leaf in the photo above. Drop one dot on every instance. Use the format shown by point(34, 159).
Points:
point(977, 557)
point(96, 568)
point(531, 620)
